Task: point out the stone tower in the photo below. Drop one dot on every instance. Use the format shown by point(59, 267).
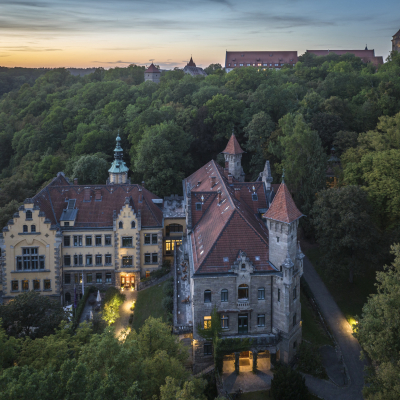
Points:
point(152, 74)
point(118, 171)
point(396, 41)
point(233, 158)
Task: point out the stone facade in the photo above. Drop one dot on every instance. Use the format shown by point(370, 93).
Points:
point(396, 42)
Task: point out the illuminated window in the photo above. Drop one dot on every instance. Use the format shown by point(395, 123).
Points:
point(147, 274)
point(14, 286)
point(225, 322)
point(127, 261)
point(25, 285)
point(207, 322)
point(47, 284)
point(78, 278)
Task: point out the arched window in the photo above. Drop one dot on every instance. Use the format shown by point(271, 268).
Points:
point(133, 225)
point(25, 228)
point(243, 292)
point(224, 295)
point(207, 296)
point(33, 228)
point(120, 225)
point(68, 297)
point(28, 214)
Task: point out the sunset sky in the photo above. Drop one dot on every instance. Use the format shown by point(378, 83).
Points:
point(88, 33)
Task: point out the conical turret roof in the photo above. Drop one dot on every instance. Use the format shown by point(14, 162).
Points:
point(283, 208)
point(152, 68)
point(233, 146)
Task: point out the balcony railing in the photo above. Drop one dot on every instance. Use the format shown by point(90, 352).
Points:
point(243, 304)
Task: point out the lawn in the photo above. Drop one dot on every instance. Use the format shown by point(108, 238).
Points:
point(148, 304)
point(350, 297)
point(265, 395)
point(312, 328)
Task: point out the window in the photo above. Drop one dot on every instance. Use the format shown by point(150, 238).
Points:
point(25, 228)
point(108, 259)
point(89, 259)
point(41, 262)
point(30, 259)
point(67, 261)
point(127, 241)
point(147, 258)
point(147, 274)
point(154, 238)
point(33, 228)
point(207, 296)
point(25, 285)
point(133, 225)
point(207, 349)
point(207, 322)
point(108, 277)
point(77, 241)
point(78, 278)
point(173, 228)
point(99, 259)
point(147, 238)
point(234, 65)
point(198, 206)
point(154, 258)
point(294, 293)
point(88, 240)
point(66, 223)
point(107, 240)
point(120, 225)
point(67, 279)
point(19, 263)
point(225, 322)
point(28, 215)
point(68, 297)
point(243, 266)
point(67, 241)
point(127, 261)
point(277, 239)
point(78, 259)
point(170, 245)
point(36, 284)
point(241, 65)
point(98, 240)
point(276, 65)
point(224, 295)
point(261, 294)
point(265, 65)
point(294, 320)
point(88, 278)
point(99, 278)
point(279, 294)
point(47, 284)
point(243, 292)
point(254, 197)
point(261, 320)
point(14, 286)
point(248, 65)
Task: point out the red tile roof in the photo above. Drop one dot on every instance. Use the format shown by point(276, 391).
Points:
point(152, 68)
point(283, 208)
point(222, 230)
point(53, 200)
point(233, 146)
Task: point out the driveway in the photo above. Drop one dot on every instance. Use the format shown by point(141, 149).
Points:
point(348, 344)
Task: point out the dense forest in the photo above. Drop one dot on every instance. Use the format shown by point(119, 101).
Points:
point(293, 117)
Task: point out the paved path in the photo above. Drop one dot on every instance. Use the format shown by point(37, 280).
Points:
point(125, 312)
point(85, 316)
point(343, 334)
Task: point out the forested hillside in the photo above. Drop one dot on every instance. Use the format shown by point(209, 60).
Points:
point(292, 117)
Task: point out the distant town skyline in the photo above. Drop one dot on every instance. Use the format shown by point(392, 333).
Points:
point(87, 33)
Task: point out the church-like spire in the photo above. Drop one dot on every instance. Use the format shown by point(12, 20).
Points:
point(118, 173)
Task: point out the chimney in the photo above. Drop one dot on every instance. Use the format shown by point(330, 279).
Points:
point(143, 185)
point(230, 178)
point(212, 180)
point(75, 181)
point(237, 193)
point(219, 196)
point(86, 194)
point(97, 194)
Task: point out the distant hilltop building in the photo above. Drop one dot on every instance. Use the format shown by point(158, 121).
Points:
point(191, 69)
point(263, 59)
point(367, 56)
point(396, 41)
point(152, 74)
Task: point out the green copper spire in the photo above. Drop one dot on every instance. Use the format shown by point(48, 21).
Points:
point(118, 165)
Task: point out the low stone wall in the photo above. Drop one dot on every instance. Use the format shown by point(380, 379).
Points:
point(152, 282)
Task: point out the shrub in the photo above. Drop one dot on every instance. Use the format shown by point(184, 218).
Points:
point(112, 302)
point(168, 288)
point(310, 360)
point(168, 304)
point(288, 384)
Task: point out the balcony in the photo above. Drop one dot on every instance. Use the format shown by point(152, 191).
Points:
point(243, 304)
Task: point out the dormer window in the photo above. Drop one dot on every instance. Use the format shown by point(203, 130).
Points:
point(243, 266)
point(28, 214)
point(198, 206)
point(254, 197)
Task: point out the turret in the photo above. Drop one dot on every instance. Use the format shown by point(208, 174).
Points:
point(118, 173)
point(233, 159)
point(152, 74)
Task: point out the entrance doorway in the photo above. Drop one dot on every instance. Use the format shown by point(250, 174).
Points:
point(127, 281)
point(243, 324)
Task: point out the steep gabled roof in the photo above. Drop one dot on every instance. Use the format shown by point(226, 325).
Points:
point(397, 33)
point(191, 63)
point(152, 68)
point(233, 146)
point(283, 208)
